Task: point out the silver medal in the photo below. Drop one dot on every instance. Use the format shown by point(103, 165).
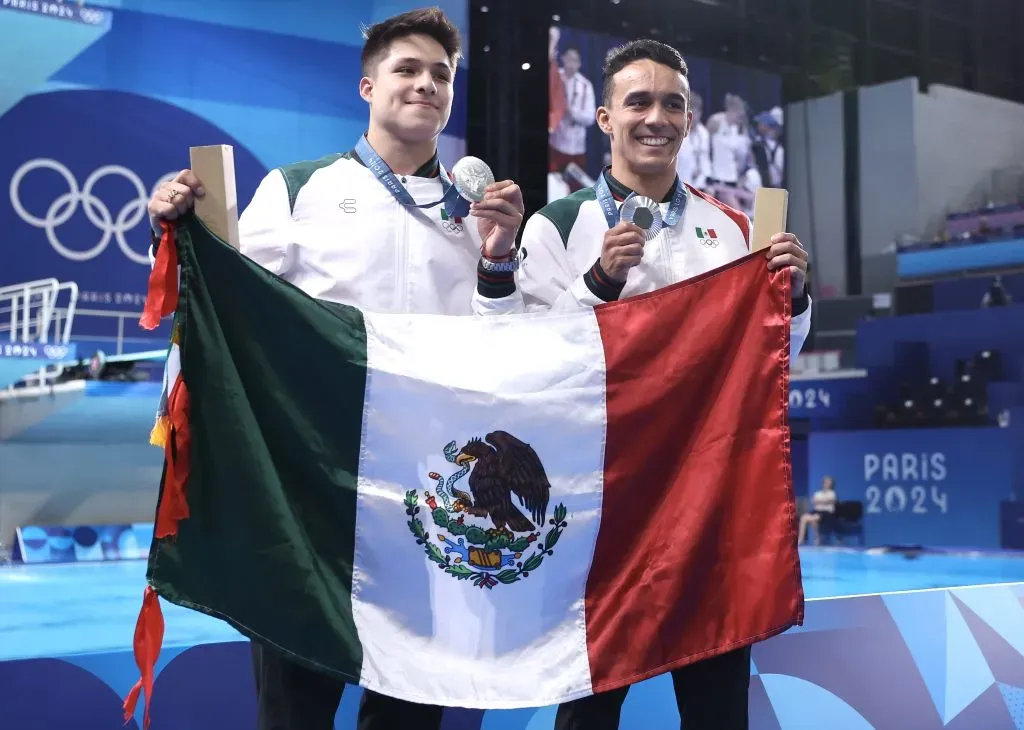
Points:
point(644, 213)
point(471, 176)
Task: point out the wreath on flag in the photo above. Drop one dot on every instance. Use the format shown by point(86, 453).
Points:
point(486, 557)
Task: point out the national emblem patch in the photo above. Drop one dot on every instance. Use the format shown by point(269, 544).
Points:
point(465, 546)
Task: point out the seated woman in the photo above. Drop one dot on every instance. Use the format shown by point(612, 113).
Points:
point(823, 506)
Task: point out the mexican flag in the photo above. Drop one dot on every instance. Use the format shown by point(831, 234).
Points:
point(488, 512)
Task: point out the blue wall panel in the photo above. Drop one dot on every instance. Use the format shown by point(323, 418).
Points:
point(935, 487)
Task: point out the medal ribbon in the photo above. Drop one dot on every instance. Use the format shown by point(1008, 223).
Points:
point(611, 213)
point(455, 206)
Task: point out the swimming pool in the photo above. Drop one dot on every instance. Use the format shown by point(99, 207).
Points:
point(56, 610)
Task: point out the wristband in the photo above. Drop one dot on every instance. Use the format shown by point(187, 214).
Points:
point(506, 264)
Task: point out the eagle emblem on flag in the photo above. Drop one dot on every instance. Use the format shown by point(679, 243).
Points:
point(482, 535)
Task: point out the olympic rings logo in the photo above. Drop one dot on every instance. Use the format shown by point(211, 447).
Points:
point(91, 16)
point(64, 207)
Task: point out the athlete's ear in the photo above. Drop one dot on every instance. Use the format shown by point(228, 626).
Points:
point(604, 120)
point(366, 89)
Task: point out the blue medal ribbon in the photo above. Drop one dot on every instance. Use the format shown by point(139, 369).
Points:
point(611, 213)
point(455, 206)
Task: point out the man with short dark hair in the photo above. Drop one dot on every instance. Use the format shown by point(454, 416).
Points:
point(577, 252)
point(366, 228)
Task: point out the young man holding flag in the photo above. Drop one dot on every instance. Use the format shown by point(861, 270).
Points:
point(579, 252)
point(378, 227)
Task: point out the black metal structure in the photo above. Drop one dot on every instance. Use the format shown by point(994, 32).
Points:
point(816, 46)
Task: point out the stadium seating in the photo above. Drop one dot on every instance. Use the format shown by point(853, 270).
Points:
point(984, 240)
point(932, 401)
point(996, 223)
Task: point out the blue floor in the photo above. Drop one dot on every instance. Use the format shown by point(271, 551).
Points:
point(54, 610)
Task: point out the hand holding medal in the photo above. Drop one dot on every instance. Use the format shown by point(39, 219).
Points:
point(623, 248)
point(497, 206)
point(636, 221)
point(644, 213)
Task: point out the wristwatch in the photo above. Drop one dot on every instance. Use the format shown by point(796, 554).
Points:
point(500, 267)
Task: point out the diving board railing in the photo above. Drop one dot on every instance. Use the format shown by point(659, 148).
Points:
point(28, 316)
point(27, 311)
point(117, 341)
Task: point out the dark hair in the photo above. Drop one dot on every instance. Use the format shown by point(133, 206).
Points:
point(645, 48)
point(430, 22)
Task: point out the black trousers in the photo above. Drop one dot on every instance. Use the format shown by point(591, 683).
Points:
point(292, 697)
point(711, 695)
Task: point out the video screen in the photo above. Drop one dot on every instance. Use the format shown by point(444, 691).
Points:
point(735, 143)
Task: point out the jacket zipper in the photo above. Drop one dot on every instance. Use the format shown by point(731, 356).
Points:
point(401, 256)
point(667, 239)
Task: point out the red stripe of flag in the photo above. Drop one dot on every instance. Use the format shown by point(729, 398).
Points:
point(696, 555)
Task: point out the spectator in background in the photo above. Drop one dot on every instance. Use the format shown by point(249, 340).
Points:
point(556, 91)
point(767, 150)
point(694, 160)
point(823, 508)
point(730, 146)
point(568, 141)
point(996, 296)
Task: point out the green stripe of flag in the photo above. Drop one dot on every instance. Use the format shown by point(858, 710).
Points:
point(247, 526)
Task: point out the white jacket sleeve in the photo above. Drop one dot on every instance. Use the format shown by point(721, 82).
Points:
point(799, 329)
point(265, 226)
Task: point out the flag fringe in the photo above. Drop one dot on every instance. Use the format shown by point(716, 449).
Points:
point(173, 505)
point(172, 433)
point(162, 294)
point(172, 369)
point(149, 639)
point(161, 430)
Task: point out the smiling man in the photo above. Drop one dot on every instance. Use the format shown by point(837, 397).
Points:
point(576, 252)
point(364, 228)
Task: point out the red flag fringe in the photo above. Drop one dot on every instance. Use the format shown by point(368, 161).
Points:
point(173, 507)
point(162, 296)
point(162, 427)
point(149, 637)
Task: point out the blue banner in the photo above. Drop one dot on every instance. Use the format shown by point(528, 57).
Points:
point(36, 351)
point(933, 487)
point(824, 398)
point(79, 167)
point(72, 11)
point(83, 543)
